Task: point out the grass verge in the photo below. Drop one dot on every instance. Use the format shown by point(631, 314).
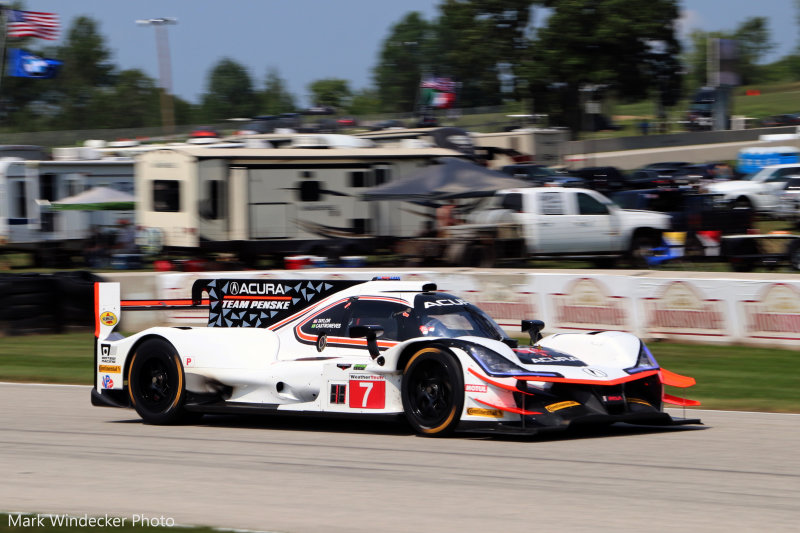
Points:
point(728, 377)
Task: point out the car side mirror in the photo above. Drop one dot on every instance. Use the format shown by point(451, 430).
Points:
point(534, 329)
point(371, 332)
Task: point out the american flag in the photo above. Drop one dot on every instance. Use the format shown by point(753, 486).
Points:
point(32, 24)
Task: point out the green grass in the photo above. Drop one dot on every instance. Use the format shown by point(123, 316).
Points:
point(65, 358)
point(728, 377)
point(735, 377)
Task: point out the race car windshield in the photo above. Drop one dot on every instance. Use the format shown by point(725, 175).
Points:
point(442, 315)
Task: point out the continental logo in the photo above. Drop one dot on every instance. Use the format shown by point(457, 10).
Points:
point(553, 407)
point(110, 369)
point(108, 319)
point(491, 413)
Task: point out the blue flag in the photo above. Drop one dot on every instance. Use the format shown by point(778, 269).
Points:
point(24, 64)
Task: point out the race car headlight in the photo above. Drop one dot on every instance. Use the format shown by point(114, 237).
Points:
point(645, 361)
point(492, 362)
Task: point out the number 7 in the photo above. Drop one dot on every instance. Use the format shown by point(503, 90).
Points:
point(367, 385)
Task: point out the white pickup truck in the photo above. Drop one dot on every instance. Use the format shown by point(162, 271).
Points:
point(555, 222)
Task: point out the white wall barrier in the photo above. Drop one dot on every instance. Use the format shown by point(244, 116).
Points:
point(712, 308)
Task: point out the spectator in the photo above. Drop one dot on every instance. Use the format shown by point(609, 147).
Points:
point(445, 216)
point(126, 237)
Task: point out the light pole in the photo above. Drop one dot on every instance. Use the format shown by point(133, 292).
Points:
point(164, 69)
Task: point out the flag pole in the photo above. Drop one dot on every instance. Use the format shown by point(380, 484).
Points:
point(3, 37)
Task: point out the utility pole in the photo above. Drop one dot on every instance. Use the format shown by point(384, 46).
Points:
point(164, 70)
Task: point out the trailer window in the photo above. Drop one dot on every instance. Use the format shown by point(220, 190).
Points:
point(310, 191)
point(381, 175)
point(358, 178)
point(166, 196)
point(213, 203)
point(360, 226)
point(18, 200)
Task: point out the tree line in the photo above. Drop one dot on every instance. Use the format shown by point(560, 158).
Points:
point(541, 54)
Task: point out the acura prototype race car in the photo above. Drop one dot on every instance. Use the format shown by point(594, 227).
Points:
point(382, 347)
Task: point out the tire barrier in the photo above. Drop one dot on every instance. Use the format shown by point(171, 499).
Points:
point(46, 303)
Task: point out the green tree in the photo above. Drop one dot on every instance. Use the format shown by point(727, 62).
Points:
point(754, 43)
point(364, 102)
point(229, 92)
point(87, 71)
point(480, 44)
point(405, 56)
point(610, 44)
point(276, 97)
point(133, 102)
point(330, 92)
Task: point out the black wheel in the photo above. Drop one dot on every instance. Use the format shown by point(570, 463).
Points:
point(743, 202)
point(156, 382)
point(433, 392)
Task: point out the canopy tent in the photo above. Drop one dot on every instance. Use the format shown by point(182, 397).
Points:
point(96, 199)
point(451, 179)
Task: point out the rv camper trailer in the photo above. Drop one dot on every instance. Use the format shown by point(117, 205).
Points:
point(27, 188)
point(277, 201)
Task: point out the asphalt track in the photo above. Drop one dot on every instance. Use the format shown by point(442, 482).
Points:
point(739, 472)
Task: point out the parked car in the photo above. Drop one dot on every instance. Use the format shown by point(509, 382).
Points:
point(694, 175)
point(667, 166)
point(759, 190)
point(689, 211)
point(387, 125)
point(787, 119)
point(535, 173)
point(788, 206)
point(648, 179)
point(602, 179)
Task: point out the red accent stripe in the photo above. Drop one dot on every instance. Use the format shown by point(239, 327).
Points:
point(498, 384)
point(96, 310)
point(230, 297)
point(509, 408)
point(159, 303)
point(676, 380)
point(674, 400)
point(626, 379)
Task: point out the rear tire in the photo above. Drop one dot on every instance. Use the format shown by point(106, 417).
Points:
point(156, 383)
point(433, 392)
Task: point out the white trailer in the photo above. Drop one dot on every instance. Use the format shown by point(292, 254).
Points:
point(277, 201)
point(28, 186)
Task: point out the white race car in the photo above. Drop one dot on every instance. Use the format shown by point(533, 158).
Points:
point(382, 347)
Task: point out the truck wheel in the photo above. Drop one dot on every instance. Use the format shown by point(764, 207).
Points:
point(742, 203)
point(433, 392)
point(156, 383)
point(641, 248)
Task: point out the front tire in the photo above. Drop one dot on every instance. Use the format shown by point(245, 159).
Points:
point(156, 383)
point(433, 392)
